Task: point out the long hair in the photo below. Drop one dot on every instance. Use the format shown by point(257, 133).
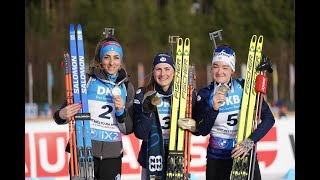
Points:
point(150, 86)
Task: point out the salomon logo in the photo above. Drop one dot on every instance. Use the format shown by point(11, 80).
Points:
point(82, 116)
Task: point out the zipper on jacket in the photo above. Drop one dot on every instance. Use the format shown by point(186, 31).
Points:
point(101, 151)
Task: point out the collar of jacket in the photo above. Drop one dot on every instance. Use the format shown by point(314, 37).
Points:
point(160, 91)
point(214, 84)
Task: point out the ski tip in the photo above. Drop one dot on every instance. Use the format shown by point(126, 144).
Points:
point(254, 38)
point(71, 27)
point(187, 42)
point(260, 40)
point(180, 41)
point(79, 27)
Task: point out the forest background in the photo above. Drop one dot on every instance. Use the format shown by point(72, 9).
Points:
point(143, 27)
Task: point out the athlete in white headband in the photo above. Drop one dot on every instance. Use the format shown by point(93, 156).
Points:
point(216, 112)
point(226, 55)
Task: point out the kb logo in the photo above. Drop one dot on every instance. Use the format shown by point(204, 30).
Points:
point(155, 163)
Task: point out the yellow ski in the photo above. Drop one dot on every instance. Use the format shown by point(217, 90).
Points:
point(178, 110)
point(240, 168)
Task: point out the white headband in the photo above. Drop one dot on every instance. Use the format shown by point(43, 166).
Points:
point(224, 57)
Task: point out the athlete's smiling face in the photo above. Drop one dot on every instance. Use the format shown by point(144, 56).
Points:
point(111, 62)
point(221, 72)
point(163, 74)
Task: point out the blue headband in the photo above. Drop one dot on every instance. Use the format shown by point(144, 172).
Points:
point(225, 50)
point(111, 46)
point(163, 58)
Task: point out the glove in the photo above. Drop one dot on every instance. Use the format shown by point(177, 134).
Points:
point(187, 124)
point(244, 147)
point(147, 105)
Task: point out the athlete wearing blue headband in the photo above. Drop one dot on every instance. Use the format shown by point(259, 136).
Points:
point(110, 95)
point(111, 46)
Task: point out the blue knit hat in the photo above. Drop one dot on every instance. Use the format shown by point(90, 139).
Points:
point(163, 58)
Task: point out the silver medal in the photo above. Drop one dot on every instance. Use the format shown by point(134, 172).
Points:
point(116, 91)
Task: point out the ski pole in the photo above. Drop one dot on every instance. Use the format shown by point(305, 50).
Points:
point(261, 89)
point(187, 134)
point(72, 137)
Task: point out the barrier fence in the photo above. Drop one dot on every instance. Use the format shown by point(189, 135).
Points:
point(45, 158)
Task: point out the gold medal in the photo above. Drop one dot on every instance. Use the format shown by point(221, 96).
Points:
point(223, 89)
point(155, 101)
point(116, 91)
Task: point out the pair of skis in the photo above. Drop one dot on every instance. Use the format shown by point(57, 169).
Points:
point(178, 162)
point(254, 87)
point(81, 159)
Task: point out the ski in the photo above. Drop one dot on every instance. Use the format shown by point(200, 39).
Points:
point(82, 118)
point(241, 168)
point(175, 162)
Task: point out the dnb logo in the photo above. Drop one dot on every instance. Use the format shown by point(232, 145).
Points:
point(155, 163)
point(268, 156)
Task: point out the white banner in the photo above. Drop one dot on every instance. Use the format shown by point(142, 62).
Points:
point(45, 157)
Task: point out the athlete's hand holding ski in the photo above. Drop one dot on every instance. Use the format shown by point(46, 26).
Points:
point(69, 110)
point(244, 147)
point(187, 124)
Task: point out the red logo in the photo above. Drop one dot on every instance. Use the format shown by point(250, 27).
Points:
point(47, 152)
point(269, 156)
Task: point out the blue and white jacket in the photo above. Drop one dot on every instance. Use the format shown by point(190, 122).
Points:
point(222, 125)
point(107, 125)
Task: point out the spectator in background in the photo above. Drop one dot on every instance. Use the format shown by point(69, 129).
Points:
point(282, 108)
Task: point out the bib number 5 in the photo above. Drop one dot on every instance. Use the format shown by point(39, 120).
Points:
point(232, 119)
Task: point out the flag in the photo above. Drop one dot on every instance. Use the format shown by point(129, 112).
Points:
point(140, 75)
point(50, 76)
point(275, 82)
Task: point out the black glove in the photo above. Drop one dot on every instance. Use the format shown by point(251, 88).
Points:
point(147, 106)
